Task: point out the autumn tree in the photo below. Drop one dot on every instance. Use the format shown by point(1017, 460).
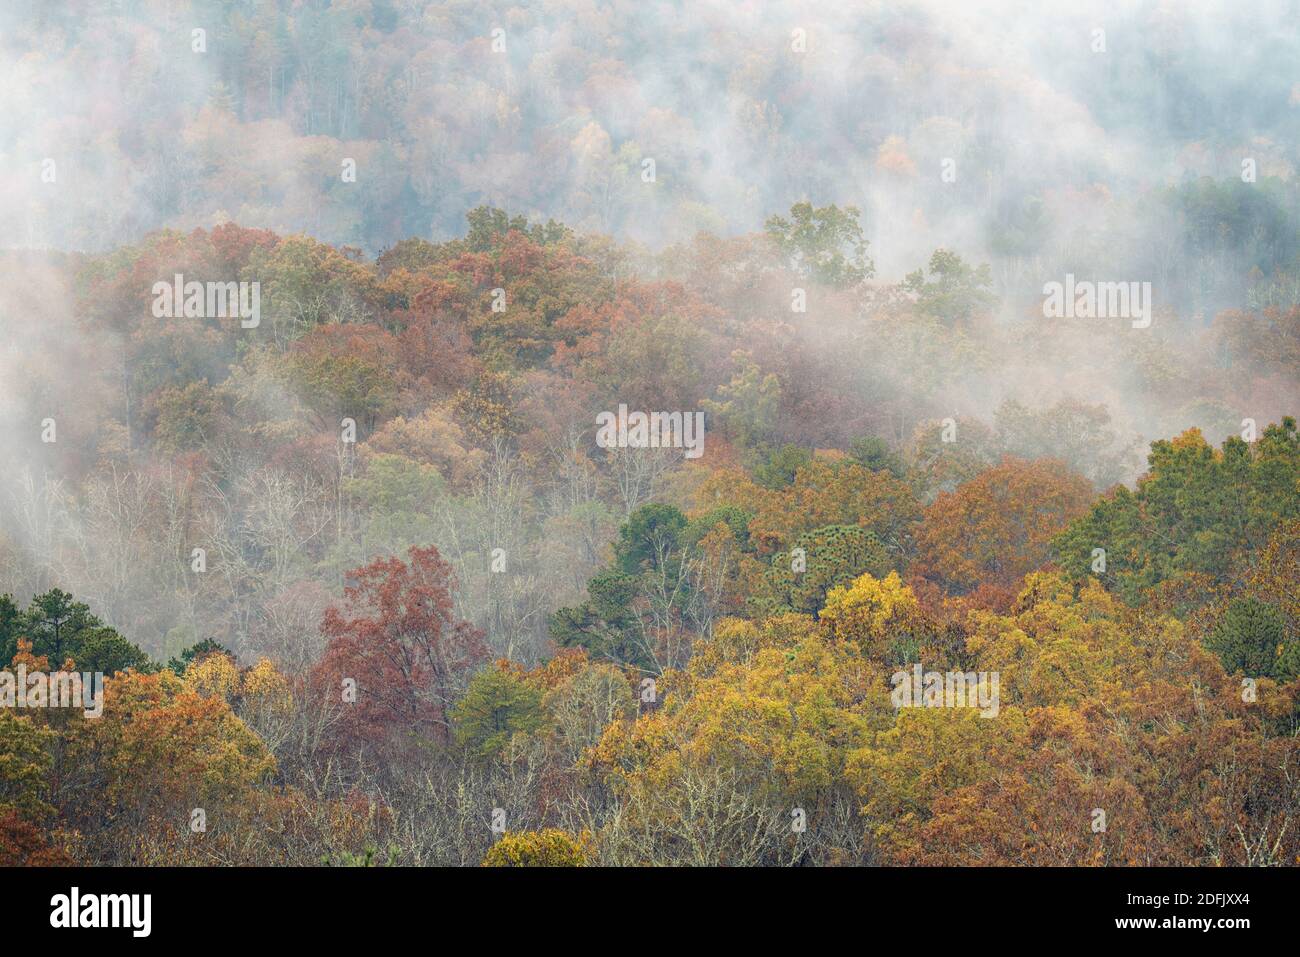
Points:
point(999, 525)
point(550, 847)
point(1180, 766)
point(397, 639)
point(756, 729)
point(829, 490)
point(160, 750)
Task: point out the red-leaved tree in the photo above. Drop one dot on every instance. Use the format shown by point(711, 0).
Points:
point(397, 638)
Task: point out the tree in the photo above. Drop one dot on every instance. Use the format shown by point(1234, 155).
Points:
point(1181, 766)
point(23, 844)
point(734, 518)
point(11, 627)
point(159, 751)
point(55, 624)
point(1074, 432)
point(306, 283)
point(759, 722)
point(432, 438)
point(346, 371)
point(873, 452)
point(488, 226)
point(747, 405)
point(546, 848)
point(831, 491)
point(1250, 639)
point(186, 417)
point(955, 291)
point(605, 625)
point(651, 535)
point(584, 704)
point(197, 652)
point(828, 557)
point(104, 650)
point(61, 628)
point(780, 467)
point(1198, 511)
point(880, 616)
point(397, 495)
point(1275, 581)
point(496, 706)
point(999, 525)
point(824, 244)
point(397, 637)
point(25, 760)
point(942, 455)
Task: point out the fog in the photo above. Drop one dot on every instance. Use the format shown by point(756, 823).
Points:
point(1039, 139)
point(1049, 133)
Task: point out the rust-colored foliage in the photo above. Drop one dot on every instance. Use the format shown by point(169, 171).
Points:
point(396, 636)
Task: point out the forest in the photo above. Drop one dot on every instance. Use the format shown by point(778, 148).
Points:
point(601, 434)
point(365, 588)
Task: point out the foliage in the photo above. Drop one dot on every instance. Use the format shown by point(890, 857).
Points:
point(1197, 511)
point(550, 847)
point(496, 705)
point(830, 557)
point(644, 658)
point(825, 243)
point(62, 629)
point(397, 637)
point(999, 525)
point(955, 291)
